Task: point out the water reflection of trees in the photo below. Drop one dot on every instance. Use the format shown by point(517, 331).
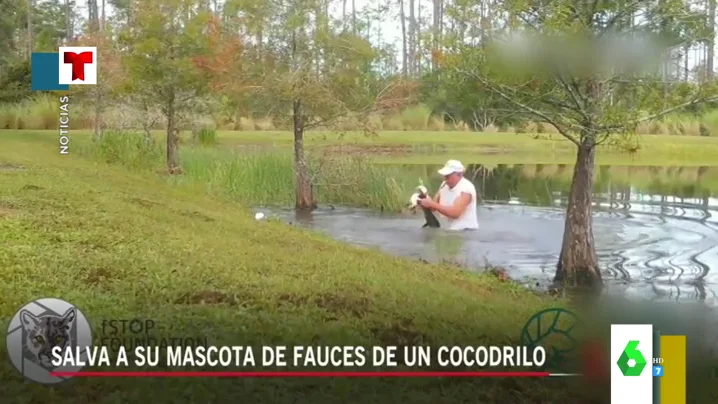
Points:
point(671, 268)
point(616, 188)
point(665, 193)
point(544, 184)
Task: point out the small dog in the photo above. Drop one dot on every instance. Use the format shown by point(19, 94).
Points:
point(421, 193)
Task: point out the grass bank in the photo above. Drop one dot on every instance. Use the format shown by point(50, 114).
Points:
point(265, 178)
point(251, 178)
point(470, 147)
point(268, 178)
point(123, 245)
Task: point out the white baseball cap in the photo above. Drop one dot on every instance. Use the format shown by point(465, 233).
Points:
point(452, 166)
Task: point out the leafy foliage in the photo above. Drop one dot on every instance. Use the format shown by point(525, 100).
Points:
point(585, 68)
point(15, 82)
point(164, 44)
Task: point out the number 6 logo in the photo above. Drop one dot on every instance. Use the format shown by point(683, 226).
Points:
point(631, 361)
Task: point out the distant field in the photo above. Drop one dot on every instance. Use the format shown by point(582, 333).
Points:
point(493, 148)
point(449, 138)
point(471, 147)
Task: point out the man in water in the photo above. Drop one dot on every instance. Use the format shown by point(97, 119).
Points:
point(456, 199)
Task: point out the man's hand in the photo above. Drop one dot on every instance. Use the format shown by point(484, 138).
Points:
point(428, 203)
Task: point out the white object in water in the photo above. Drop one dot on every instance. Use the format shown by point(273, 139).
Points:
point(259, 216)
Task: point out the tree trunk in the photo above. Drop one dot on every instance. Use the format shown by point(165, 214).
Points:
point(98, 113)
point(97, 90)
point(30, 36)
point(412, 38)
point(578, 264)
point(93, 18)
point(68, 25)
point(404, 49)
point(130, 13)
point(436, 37)
point(354, 17)
point(304, 191)
point(686, 50)
point(711, 39)
point(377, 18)
point(417, 33)
point(326, 29)
point(172, 138)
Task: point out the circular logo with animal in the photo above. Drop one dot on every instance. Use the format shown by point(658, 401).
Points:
point(40, 326)
point(555, 330)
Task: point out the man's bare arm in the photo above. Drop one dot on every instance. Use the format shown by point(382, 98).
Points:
point(457, 209)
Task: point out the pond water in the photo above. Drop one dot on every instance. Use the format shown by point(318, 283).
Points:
point(656, 229)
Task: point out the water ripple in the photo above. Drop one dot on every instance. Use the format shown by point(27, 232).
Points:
point(650, 247)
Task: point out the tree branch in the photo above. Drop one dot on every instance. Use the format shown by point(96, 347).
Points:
point(629, 8)
point(525, 107)
point(662, 113)
point(367, 109)
point(568, 88)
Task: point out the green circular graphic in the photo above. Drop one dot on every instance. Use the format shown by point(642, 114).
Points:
point(553, 329)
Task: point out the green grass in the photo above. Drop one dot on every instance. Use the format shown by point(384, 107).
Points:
point(122, 244)
point(37, 113)
point(132, 150)
point(705, 158)
point(469, 147)
point(265, 178)
point(450, 139)
point(492, 148)
point(268, 178)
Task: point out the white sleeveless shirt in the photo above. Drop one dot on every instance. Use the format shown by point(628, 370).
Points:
point(468, 220)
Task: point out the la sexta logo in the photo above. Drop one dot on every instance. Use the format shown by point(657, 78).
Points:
point(77, 65)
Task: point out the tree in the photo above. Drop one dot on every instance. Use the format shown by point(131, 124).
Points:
point(161, 50)
point(30, 37)
point(710, 43)
point(50, 25)
point(10, 23)
point(15, 82)
point(123, 9)
point(319, 77)
point(109, 72)
point(241, 60)
point(94, 29)
point(438, 28)
point(586, 70)
point(404, 49)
